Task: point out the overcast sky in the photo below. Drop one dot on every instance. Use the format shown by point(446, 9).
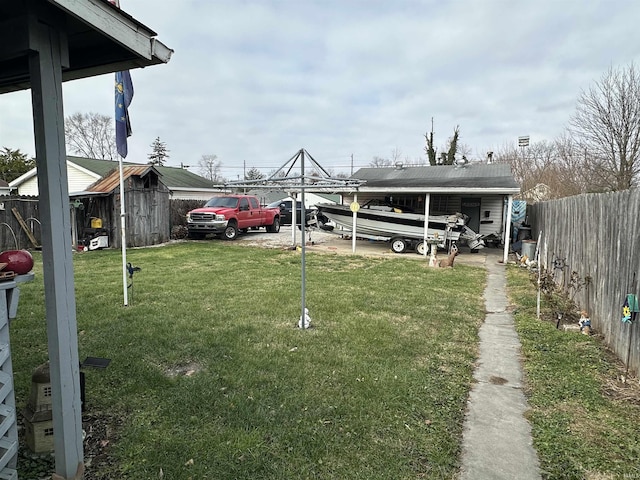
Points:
point(255, 81)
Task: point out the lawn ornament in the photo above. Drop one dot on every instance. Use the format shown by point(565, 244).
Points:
point(18, 261)
point(131, 269)
point(448, 262)
point(585, 323)
point(305, 322)
point(433, 258)
point(629, 308)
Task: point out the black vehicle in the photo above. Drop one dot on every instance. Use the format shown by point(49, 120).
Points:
point(286, 210)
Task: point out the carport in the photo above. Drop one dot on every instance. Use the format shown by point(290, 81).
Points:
point(482, 191)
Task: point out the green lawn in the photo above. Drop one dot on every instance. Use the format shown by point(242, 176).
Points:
point(211, 379)
point(584, 419)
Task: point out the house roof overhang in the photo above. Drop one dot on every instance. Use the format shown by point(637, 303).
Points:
point(473, 179)
point(97, 38)
point(441, 190)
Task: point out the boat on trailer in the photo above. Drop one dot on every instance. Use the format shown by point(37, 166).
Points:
point(404, 229)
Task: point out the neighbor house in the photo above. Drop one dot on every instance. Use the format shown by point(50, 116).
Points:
point(82, 172)
point(5, 189)
point(310, 199)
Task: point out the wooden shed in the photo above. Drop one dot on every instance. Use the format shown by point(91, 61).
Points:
point(97, 210)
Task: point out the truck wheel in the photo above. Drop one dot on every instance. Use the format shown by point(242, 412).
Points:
point(275, 226)
point(420, 248)
point(231, 232)
point(398, 245)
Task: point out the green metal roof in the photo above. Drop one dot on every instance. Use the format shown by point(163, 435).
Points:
point(175, 177)
point(99, 167)
point(172, 177)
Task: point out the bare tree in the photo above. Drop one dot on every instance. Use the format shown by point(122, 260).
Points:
point(557, 165)
point(209, 167)
point(91, 135)
point(396, 156)
point(379, 162)
point(606, 126)
point(573, 168)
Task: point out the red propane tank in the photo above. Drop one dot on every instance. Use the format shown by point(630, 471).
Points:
point(18, 261)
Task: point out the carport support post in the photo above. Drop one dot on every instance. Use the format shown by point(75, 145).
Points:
point(507, 230)
point(45, 66)
point(427, 202)
point(354, 226)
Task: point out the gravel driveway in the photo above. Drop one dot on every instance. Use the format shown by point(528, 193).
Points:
point(284, 238)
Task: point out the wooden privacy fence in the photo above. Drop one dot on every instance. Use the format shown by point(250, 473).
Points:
point(13, 234)
point(597, 236)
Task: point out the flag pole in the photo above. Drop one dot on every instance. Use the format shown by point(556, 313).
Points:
point(123, 236)
point(124, 94)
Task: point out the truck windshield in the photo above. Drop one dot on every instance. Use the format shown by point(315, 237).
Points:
point(229, 202)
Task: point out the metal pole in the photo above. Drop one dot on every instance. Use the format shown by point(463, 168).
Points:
point(302, 222)
point(427, 202)
point(353, 227)
point(538, 260)
point(123, 235)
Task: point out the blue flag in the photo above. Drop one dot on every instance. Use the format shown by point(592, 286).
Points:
point(124, 95)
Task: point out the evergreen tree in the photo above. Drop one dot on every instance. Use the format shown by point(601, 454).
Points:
point(254, 174)
point(14, 163)
point(453, 147)
point(446, 158)
point(159, 153)
point(431, 152)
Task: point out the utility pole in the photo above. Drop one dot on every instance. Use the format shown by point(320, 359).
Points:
point(352, 164)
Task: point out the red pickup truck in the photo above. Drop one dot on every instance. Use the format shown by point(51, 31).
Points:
point(228, 215)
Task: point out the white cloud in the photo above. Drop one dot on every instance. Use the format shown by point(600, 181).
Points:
point(255, 81)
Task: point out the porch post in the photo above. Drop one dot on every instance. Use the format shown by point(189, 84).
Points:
point(507, 230)
point(45, 67)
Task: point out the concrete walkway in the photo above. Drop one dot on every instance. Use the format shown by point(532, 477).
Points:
point(497, 439)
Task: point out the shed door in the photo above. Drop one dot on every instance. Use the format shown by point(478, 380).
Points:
point(471, 208)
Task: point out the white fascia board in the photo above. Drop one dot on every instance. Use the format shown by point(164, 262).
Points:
point(160, 51)
point(122, 29)
point(23, 178)
point(191, 189)
point(442, 190)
